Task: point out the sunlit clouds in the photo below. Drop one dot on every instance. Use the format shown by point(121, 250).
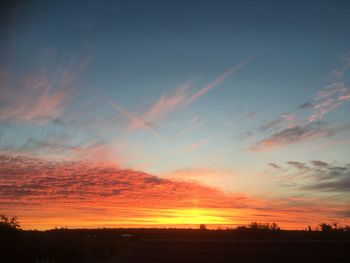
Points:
point(72, 193)
point(167, 104)
point(39, 97)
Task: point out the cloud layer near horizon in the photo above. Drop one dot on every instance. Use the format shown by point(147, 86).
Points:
point(72, 193)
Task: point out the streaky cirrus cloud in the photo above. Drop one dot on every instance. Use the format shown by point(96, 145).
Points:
point(39, 97)
point(135, 121)
point(345, 96)
point(178, 99)
point(290, 128)
point(334, 95)
point(217, 81)
point(285, 119)
point(298, 134)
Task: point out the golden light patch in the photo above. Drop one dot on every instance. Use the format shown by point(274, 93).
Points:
point(186, 216)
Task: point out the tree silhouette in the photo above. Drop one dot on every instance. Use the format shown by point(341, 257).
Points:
point(7, 223)
point(264, 226)
point(326, 227)
point(202, 227)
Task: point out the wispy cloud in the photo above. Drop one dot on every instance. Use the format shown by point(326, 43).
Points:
point(135, 121)
point(285, 119)
point(299, 126)
point(165, 105)
point(217, 81)
point(39, 97)
point(333, 95)
point(197, 144)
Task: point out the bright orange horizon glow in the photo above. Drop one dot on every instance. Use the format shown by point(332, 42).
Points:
point(89, 195)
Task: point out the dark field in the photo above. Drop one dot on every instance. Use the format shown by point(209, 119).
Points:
point(241, 251)
point(170, 245)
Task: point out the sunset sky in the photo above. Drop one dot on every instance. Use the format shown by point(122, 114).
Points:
point(175, 113)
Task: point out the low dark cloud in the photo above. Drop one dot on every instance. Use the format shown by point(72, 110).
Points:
point(322, 176)
point(298, 165)
point(297, 134)
point(320, 164)
point(340, 185)
point(275, 166)
point(304, 106)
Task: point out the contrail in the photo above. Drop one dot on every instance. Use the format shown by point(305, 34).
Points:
point(134, 119)
point(217, 81)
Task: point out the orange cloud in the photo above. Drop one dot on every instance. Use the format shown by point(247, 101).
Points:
point(45, 194)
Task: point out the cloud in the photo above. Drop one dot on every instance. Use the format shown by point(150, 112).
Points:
point(332, 96)
point(178, 99)
point(40, 182)
point(275, 166)
point(320, 164)
point(305, 106)
point(298, 165)
point(38, 97)
point(191, 125)
point(46, 193)
point(283, 120)
point(322, 176)
point(297, 134)
point(345, 96)
point(342, 185)
point(217, 81)
point(195, 145)
point(167, 104)
point(135, 121)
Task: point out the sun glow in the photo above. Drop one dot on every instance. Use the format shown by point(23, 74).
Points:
point(187, 216)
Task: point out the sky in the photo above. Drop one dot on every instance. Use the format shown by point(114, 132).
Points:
point(174, 113)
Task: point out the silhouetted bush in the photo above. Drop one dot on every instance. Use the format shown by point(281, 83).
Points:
point(202, 227)
point(327, 228)
point(264, 226)
point(8, 224)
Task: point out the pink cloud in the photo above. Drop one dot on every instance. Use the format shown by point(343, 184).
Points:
point(37, 98)
point(333, 96)
point(135, 121)
point(345, 96)
point(167, 104)
point(45, 193)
